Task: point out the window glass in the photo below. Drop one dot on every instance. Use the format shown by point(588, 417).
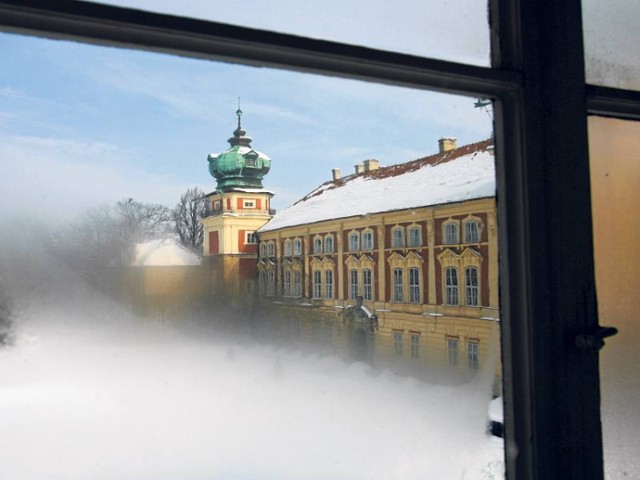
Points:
point(454, 31)
point(615, 176)
point(122, 351)
point(611, 37)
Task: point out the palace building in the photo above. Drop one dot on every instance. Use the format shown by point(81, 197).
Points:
point(397, 264)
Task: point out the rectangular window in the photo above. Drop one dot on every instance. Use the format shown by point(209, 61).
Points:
point(471, 234)
point(472, 355)
point(286, 284)
point(415, 345)
point(397, 343)
point(354, 242)
point(452, 351)
point(414, 285)
point(451, 275)
point(353, 284)
point(415, 238)
point(317, 245)
point(328, 276)
point(471, 286)
point(297, 284)
point(397, 237)
point(297, 247)
point(398, 286)
point(249, 204)
point(317, 284)
point(271, 284)
point(367, 290)
point(250, 237)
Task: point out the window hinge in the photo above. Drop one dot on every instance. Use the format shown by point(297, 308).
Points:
point(595, 341)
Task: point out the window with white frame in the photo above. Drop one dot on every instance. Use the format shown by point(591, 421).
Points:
point(397, 237)
point(367, 240)
point(398, 285)
point(367, 284)
point(317, 284)
point(354, 241)
point(451, 286)
point(286, 283)
point(415, 236)
point(451, 233)
point(414, 285)
point(271, 247)
point(248, 204)
point(452, 351)
point(287, 248)
point(263, 250)
point(250, 237)
point(471, 286)
point(353, 284)
point(415, 345)
point(397, 343)
point(472, 355)
point(297, 284)
point(328, 244)
point(317, 245)
point(328, 287)
point(297, 246)
point(471, 232)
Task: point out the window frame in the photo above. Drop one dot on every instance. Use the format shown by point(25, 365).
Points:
point(451, 289)
point(411, 242)
point(536, 80)
point(398, 237)
point(367, 286)
point(366, 234)
point(469, 289)
point(328, 276)
point(354, 241)
point(397, 285)
point(328, 244)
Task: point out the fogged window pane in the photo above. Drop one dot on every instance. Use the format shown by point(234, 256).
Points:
point(192, 286)
point(615, 175)
point(611, 40)
point(455, 31)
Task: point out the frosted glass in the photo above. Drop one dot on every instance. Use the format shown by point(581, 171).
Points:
point(615, 175)
point(611, 38)
point(455, 31)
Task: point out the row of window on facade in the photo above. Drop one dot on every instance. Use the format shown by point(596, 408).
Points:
point(406, 284)
point(452, 349)
point(400, 237)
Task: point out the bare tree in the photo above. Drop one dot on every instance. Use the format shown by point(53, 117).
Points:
point(142, 221)
point(187, 215)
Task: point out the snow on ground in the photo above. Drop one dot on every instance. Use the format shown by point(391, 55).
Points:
point(90, 392)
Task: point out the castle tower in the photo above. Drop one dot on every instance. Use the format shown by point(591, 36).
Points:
point(237, 208)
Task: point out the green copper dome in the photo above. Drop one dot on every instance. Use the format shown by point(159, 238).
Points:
point(241, 166)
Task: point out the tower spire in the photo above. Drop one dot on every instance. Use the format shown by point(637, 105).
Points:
point(239, 135)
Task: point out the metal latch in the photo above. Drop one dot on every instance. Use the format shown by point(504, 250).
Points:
point(595, 341)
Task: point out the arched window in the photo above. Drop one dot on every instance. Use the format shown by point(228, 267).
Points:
point(317, 245)
point(397, 237)
point(317, 284)
point(328, 244)
point(415, 237)
point(297, 247)
point(286, 283)
point(271, 246)
point(287, 248)
point(451, 286)
point(354, 241)
point(328, 276)
point(353, 284)
point(263, 250)
point(367, 240)
point(451, 233)
point(471, 286)
point(471, 232)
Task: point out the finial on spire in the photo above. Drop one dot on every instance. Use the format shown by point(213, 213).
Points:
point(239, 112)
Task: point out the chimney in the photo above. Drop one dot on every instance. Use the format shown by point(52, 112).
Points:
point(336, 174)
point(359, 168)
point(447, 143)
point(371, 165)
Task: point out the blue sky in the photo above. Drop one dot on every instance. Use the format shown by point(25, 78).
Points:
point(82, 125)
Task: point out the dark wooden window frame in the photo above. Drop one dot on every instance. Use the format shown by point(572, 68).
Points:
point(541, 102)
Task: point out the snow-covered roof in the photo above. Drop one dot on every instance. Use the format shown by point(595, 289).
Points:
point(457, 175)
point(163, 253)
point(242, 190)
